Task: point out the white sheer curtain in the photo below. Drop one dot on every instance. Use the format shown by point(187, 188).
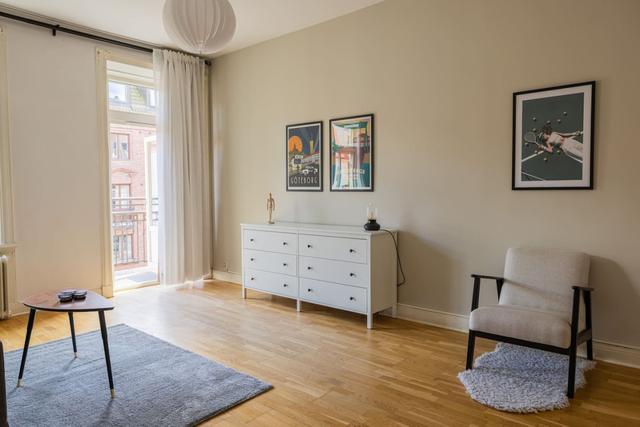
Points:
point(183, 168)
point(6, 197)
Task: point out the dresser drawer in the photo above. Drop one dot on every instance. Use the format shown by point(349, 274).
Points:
point(272, 241)
point(339, 296)
point(348, 273)
point(338, 248)
point(271, 282)
point(271, 261)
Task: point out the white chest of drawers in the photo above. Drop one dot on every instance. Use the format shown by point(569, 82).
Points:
point(337, 266)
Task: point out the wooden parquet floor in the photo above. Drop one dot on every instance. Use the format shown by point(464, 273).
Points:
point(326, 367)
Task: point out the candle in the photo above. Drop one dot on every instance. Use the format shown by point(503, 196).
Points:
point(372, 212)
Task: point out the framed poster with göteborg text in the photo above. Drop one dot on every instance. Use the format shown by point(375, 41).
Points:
point(304, 156)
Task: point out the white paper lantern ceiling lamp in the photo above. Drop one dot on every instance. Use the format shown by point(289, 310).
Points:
point(202, 27)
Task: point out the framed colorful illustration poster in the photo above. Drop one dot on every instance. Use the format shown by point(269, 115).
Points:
point(553, 138)
point(304, 157)
point(352, 153)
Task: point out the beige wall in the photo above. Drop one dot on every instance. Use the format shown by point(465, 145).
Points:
point(53, 131)
point(439, 76)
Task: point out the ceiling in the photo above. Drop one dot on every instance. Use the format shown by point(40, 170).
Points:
point(257, 20)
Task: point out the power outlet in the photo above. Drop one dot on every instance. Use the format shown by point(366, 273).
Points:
point(225, 265)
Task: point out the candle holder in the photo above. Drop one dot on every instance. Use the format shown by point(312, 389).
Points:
point(372, 215)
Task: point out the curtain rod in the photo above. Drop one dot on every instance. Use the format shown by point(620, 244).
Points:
point(55, 28)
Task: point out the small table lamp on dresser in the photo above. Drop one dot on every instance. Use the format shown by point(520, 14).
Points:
point(337, 266)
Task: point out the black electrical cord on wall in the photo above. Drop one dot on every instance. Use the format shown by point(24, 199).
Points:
point(395, 243)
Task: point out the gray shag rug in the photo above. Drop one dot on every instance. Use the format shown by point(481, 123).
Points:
point(157, 384)
point(519, 379)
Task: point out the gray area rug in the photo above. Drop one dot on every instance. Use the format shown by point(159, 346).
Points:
point(518, 379)
point(157, 383)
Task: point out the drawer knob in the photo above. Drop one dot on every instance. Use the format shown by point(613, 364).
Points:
point(352, 251)
point(252, 259)
point(284, 264)
point(352, 298)
point(285, 285)
point(251, 240)
point(309, 290)
point(309, 268)
point(352, 274)
point(252, 278)
point(309, 246)
point(284, 243)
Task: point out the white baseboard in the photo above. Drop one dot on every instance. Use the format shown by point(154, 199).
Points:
point(227, 276)
point(16, 309)
point(616, 353)
point(427, 316)
point(605, 351)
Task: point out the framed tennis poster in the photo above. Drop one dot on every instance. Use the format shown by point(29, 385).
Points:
point(304, 157)
point(553, 138)
point(352, 153)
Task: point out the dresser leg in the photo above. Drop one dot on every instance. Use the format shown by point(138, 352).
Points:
point(298, 305)
point(394, 310)
point(369, 320)
point(244, 293)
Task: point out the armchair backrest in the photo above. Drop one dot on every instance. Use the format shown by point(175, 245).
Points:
point(542, 278)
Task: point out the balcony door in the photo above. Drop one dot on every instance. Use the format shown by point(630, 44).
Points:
point(133, 175)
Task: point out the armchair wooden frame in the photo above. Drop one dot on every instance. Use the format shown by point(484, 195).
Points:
point(577, 337)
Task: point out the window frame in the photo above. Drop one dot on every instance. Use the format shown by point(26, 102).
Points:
point(116, 144)
point(106, 116)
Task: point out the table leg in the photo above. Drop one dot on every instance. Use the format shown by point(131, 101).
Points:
point(32, 316)
point(73, 335)
point(105, 342)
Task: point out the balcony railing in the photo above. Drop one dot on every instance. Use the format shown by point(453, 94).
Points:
point(130, 222)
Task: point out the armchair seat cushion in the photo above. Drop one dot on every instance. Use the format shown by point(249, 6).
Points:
point(525, 323)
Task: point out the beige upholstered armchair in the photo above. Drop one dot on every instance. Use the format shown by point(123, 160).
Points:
point(543, 303)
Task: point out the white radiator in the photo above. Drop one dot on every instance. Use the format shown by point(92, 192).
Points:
point(4, 287)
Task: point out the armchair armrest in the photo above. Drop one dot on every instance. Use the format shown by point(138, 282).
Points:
point(476, 287)
point(575, 311)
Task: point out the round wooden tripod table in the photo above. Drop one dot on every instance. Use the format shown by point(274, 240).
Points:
point(48, 301)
